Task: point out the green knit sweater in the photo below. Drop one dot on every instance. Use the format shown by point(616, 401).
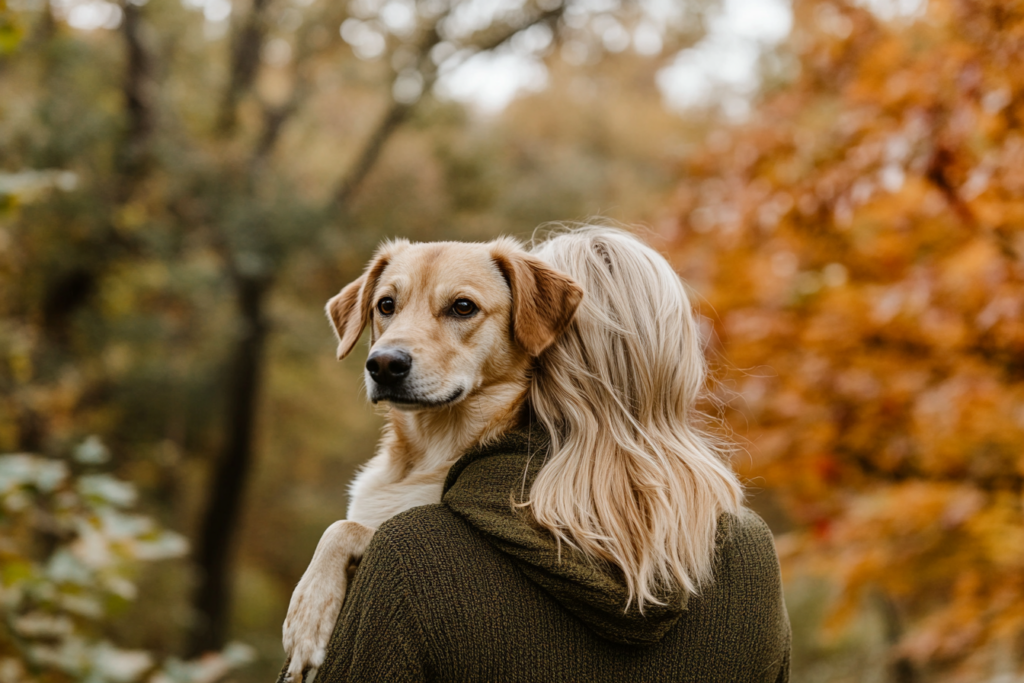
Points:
point(469, 590)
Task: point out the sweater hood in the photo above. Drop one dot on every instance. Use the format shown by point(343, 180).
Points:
point(480, 488)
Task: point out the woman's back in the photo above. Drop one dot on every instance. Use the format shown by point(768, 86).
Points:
point(470, 590)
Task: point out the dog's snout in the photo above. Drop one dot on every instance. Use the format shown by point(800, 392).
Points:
point(388, 367)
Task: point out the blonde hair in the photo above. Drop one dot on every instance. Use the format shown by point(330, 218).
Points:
point(631, 478)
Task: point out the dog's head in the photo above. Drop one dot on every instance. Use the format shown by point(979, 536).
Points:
point(447, 318)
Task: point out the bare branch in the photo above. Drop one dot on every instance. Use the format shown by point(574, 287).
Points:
point(276, 116)
point(393, 117)
point(494, 37)
point(134, 153)
point(397, 112)
point(245, 59)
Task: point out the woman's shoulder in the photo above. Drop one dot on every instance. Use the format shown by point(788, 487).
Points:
point(411, 526)
point(745, 527)
point(428, 533)
point(747, 558)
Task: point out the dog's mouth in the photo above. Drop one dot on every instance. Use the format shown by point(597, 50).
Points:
point(414, 402)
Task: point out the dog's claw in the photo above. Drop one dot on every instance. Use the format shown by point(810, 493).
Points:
point(300, 673)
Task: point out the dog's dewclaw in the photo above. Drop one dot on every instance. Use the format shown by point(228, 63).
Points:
point(307, 675)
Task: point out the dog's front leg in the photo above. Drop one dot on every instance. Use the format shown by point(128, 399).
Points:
point(317, 598)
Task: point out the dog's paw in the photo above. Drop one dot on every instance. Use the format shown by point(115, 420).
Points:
point(314, 608)
point(317, 599)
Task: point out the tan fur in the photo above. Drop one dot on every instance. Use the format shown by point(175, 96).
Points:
point(483, 361)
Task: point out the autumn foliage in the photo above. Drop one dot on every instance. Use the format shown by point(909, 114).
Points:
point(860, 247)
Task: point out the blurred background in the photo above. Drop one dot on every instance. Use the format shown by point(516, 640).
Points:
point(184, 183)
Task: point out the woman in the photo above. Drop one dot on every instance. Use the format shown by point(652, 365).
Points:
point(604, 541)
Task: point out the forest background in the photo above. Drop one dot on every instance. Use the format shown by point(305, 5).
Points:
point(183, 184)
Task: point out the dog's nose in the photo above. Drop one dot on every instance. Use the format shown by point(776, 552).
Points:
point(388, 367)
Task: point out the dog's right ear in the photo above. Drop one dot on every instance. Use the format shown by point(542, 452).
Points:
point(349, 310)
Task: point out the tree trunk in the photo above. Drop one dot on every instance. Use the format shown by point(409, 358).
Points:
point(212, 598)
point(900, 668)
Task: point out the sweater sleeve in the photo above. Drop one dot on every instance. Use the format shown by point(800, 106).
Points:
point(377, 636)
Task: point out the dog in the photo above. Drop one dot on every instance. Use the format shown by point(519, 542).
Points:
point(455, 328)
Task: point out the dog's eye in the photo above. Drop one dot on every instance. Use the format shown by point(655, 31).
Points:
point(464, 308)
point(386, 306)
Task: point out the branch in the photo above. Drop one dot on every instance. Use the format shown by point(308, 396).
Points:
point(245, 58)
point(482, 41)
point(393, 117)
point(494, 37)
point(276, 116)
point(134, 153)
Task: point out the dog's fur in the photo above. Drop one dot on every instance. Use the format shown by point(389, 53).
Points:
point(467, 384)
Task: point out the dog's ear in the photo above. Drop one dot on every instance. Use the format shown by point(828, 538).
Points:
point(349, 310)
point(543, 299)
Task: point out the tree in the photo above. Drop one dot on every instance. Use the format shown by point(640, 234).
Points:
point(860, 248)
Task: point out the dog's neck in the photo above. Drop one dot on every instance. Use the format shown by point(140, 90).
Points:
point(425, 440)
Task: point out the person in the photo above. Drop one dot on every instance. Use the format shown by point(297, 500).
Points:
point(603, 540)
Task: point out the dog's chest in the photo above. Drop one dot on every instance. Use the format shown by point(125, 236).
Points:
point(377, 494)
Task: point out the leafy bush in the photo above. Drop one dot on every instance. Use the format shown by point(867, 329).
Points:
point(70, 549)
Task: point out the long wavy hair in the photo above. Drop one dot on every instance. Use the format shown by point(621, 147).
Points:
point(632, 478)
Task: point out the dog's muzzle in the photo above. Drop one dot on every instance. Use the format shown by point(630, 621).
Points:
point(390, 370)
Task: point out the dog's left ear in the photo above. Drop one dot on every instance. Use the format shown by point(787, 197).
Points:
point(349, 309)
point(543, 299)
